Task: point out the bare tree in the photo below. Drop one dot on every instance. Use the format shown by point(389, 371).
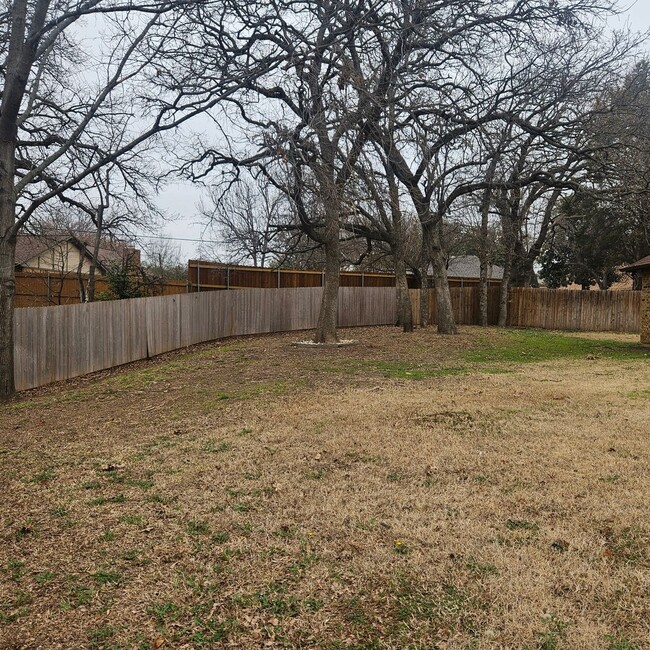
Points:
point(314, 79)
point(247, 220)
point(617, 178)
point(52, 118)
point(378, 216)
point(163, 260)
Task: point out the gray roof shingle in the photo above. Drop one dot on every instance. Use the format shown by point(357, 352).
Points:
point(469, 266)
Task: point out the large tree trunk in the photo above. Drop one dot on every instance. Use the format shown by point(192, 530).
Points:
point(522, 268)
point(80, 280)
point(90, 294)
point(424, 292)
point(483, 259)
point(503, 296)
point(444, 310)
point(529, 276)
point(508, 241)
point(483, 291)
point(7, 269)
point(327, 318)
point(484, 244)
point(7, 291)
point(404, 307)
point(19, 60)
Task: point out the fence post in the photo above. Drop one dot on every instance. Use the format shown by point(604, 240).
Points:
point(278, 277)
point(198, 277)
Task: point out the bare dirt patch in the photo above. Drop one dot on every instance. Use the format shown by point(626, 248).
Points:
point(413, 491)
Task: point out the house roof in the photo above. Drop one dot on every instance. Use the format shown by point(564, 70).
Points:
point(643, 263)
point(111, 250)
point(30, 246)
point(469, 266)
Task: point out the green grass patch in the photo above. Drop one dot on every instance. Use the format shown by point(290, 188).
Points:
point(450, 606)
point(550, 638)
point(520, 524)
point(106, 577)
point(18, 607)
point(44, 577)
point(131, 520)
point(242, 507)
point(100, 636)
point(621, 643)
point(16, 569)
point(43, 476)
point(122, 479)
point(533, 346)
point(639, 394)
point(396, 369)
point(118, 498)
point(164, 612)
point(480, 569)
point(277, 387)
point(215, 447)
point(77, 595)
point(198, 528)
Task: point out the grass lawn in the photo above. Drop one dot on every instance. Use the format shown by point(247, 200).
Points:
point(489, 490)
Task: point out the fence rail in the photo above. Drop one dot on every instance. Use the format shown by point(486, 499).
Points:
point(56, 343)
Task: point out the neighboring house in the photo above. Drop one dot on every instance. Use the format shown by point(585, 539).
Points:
point(467, 268)
point(64, 253)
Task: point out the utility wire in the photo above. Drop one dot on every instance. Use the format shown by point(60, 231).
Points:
point(138, 236)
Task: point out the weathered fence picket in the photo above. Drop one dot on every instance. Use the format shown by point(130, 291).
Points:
point(616, 311)
point(56, 343)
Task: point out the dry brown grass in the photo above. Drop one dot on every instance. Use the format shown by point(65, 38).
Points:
point(404, 493)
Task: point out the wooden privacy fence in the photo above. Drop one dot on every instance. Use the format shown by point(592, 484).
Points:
point(615, 311)
point(56, 343)
point(465, 302)
point(46, 288)
point(554, 309)
point(212, 276)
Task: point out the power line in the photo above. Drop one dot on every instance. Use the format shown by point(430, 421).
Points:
point(200, 241)
point(138, 236)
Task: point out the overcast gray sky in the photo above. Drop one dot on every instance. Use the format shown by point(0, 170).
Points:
point(182, 199)
point(639, 14)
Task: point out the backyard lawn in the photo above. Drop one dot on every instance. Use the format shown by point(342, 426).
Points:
point(489, 490)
